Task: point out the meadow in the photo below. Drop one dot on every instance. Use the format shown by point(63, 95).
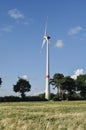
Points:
point(50, 115)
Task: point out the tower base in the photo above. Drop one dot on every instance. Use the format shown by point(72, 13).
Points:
point(47, 96)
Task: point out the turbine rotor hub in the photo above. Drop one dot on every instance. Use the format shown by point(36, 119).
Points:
point(46, 37)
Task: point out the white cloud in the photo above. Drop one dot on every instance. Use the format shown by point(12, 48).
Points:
point(19, 17)
point(25, 77)
point(15, 14)
point(59, 44)
point(7, 28)
point(77, 73)
point(74, 31)
point(26, 23)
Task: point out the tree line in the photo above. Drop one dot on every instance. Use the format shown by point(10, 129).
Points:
point(67, 87)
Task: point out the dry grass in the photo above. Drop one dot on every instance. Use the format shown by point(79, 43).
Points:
point(65, 115)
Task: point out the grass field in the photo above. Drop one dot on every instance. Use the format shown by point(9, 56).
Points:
point(64, 115)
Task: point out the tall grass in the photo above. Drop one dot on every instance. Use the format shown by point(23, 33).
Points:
point(64, 115)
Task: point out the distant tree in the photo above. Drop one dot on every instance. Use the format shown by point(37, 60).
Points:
point(22, 86)
point(81, 85)
point(57, 81)
point(0, 81)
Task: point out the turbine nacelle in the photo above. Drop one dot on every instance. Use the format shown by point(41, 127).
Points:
point(46, 37)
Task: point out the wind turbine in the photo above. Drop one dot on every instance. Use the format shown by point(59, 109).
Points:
point(46, 39)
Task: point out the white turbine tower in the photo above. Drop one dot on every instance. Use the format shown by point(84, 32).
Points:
point(46, 39)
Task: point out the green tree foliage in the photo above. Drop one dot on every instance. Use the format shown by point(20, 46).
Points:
point(57, 81)
point(81, 85)
point(0, 81)
point(22, 86)
point(68, 84)
point(63, 84)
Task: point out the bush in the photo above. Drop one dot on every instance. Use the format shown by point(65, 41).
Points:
point(57, 98)
point(18, 99)
point(9, 99)
point(34, 98)
point(75, 96)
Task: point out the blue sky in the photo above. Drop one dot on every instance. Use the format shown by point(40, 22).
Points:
point(22, 24)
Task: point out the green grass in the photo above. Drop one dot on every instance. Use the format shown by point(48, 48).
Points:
point(64, 115)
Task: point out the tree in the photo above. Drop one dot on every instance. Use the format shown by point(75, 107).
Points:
point(64, 84)
point(81, 84)
point(22, 86)
point(56, 81)
point(0, 81)
point(68, 84)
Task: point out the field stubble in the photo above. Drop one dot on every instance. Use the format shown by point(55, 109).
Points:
point(64, 115)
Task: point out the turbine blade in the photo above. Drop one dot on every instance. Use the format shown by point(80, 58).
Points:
point(45, 32)
point(43, 43)
point(45, 35)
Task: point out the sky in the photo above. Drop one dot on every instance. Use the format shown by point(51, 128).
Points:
point(22, 25)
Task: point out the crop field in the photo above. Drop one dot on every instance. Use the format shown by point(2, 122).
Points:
point(64, 115)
